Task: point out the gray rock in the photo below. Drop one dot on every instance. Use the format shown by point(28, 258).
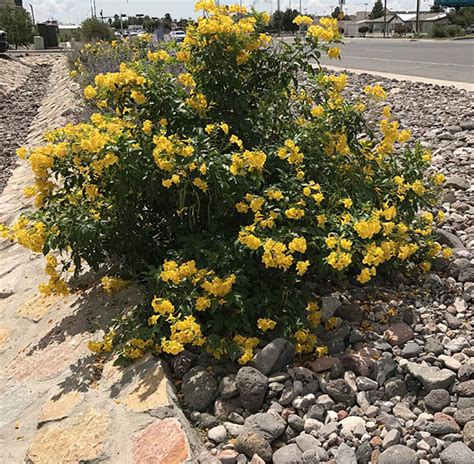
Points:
point(389, 421)
point(329, 305)
point(223, 408)
point(365, 384)
point(310, 457)
point(437, 399)
point(345, 455)
point(449, 239)
point(252, 386)
point(398, 454)
point(289, 454)
point(464, 403)
point(431, 377)
point(312, 425)
point(463, 416)
point(468, 434)
point(199, 388)
point(227, 387)
point(306, 442)
point(395, 387)
point(274, 356)
point(270, 426)
point(402, 411)
point(457, 453)
point(433, 345)
point(217, 434)
point(296, 422)
point(465, 388)
point(466, 372)
point(456, 182)
point(411, 349)
point(384, 368)
point(250, 443)
point(316, 412)
point(392, 438)
point(364, 453)
point(441, 428)
point(340, 391)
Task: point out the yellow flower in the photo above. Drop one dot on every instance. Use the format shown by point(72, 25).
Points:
point(302, 267)
point(187, 80)
point(249, 240)
point(200, 184)
point(162, 306)
point(347, 202)
point(21, 152)
point(266, 324)
point(439, 179)
point(367, 229)
point(298, 244)
point(339, 260)
point(321, 218)
point(112, 285)
point(303, 20)
point(334, 52)
point(89, 92)
point(404, 136)
point(235, 140)
point(294, 213)
point(138, 97)
point(447, 252)
point(171, 346)
point(147, 126)
point(159, 55)
point(366, 274)
point(317, 111)
point(203, 303)
point(376, 91)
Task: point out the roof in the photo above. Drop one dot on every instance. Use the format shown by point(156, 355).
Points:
point(425, 16)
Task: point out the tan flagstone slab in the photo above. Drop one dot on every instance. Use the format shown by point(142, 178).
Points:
point(56, 409)
point(44, 363)
point(142, 386)
point(162, 441)
point(78, 439)
point(4, 334)
point(38, 306)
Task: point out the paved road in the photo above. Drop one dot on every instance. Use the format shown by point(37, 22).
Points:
point(446, 60)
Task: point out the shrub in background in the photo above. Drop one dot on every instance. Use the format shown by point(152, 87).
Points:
point(227, 177)
point(93, 29)
point(16, 22)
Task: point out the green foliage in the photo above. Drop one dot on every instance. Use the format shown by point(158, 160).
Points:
point(453, 30)
point(93, 30)
point(462, 17)
point(283, 21)
point(377, 10)
point(363, 29)
point(16, 22)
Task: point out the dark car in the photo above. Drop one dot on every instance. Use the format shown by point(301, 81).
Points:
point(3, 42)
point(469, 29)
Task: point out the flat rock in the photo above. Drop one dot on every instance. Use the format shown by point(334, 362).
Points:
point(431, 377)
point(161, 441)
point(457, 453)
point(398, 454)
point(289, 454)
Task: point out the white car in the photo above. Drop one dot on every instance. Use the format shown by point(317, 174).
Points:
point(177, 36)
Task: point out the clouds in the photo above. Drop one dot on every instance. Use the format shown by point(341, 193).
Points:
point(68, 11)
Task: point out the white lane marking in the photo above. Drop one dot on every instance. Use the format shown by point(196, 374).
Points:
point(408, 61)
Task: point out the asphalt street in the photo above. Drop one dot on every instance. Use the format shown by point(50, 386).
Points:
point(451, 60)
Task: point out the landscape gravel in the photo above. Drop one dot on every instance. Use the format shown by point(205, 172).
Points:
point(18, 107)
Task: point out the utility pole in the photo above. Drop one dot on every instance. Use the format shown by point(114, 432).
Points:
point(417, 16)
point(300, 8)
point(32, 14)
point(385, 17)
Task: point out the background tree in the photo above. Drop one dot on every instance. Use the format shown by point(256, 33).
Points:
point(377, 10)
point(335, 14)
point(463, 17)
point(288, 17)
point(93, 29)
point(16, 22)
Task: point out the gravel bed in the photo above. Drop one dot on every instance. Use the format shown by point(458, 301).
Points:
point(397, 388)
point(17, 111)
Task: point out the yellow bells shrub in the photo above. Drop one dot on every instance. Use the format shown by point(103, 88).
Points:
point(222, 176)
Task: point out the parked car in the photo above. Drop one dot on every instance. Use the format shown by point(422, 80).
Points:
point(3, 42)
point(177, 36)
point(469, 29)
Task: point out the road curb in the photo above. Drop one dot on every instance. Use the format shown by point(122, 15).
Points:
point(402, 77)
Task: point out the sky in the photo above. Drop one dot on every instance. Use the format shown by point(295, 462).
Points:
point(74, 11)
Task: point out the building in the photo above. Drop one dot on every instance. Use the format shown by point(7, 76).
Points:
point(397, 23)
